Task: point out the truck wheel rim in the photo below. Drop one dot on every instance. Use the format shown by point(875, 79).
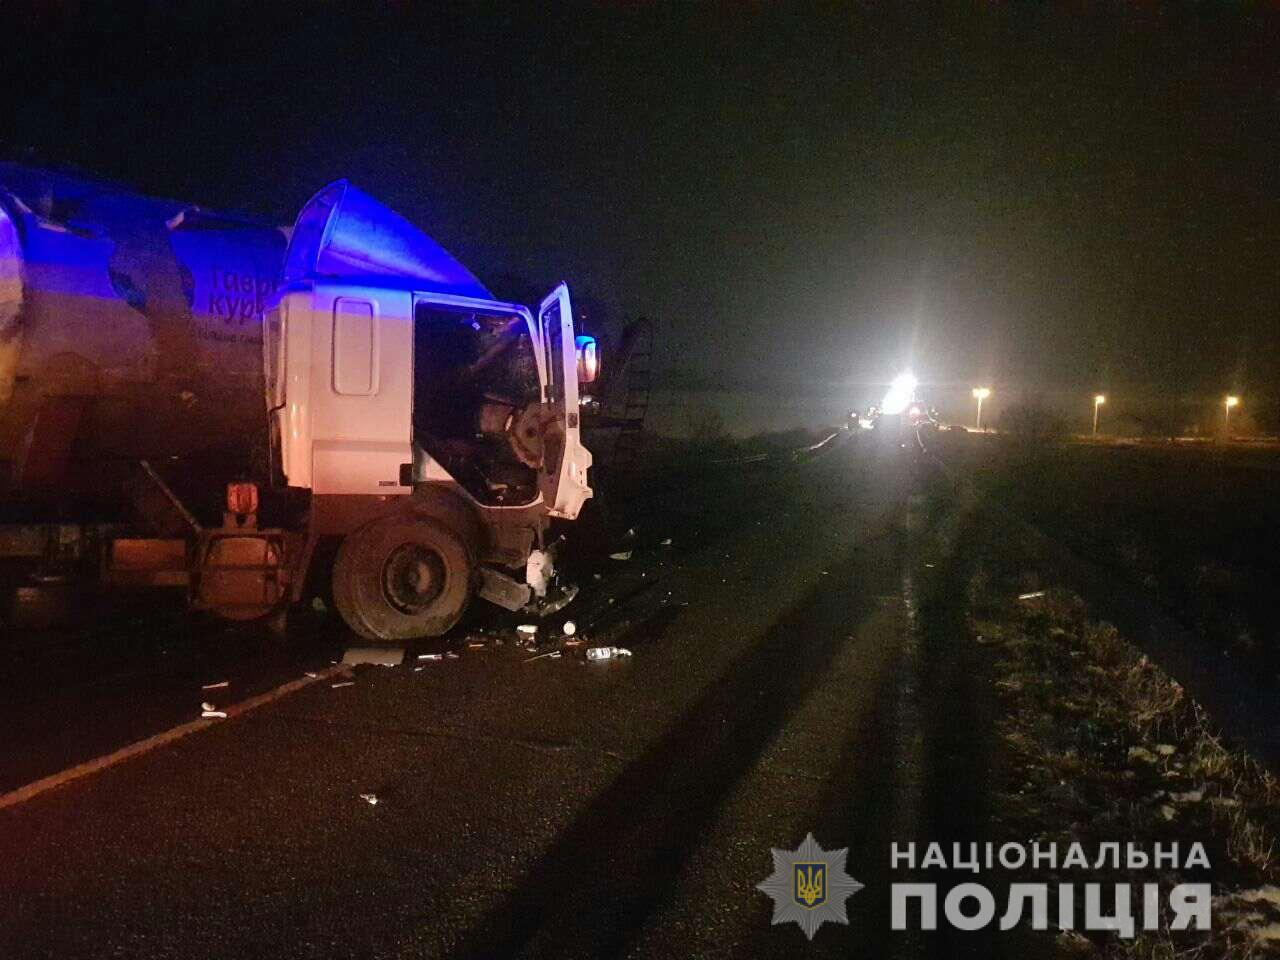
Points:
point(413, 577)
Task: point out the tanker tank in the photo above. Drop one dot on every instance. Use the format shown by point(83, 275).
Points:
point(130, 329)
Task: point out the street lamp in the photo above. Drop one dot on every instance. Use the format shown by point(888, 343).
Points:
point(1098, 400)
point(981, 393)
point(1231, 401)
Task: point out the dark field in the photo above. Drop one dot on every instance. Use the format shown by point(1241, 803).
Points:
point(1193, 529)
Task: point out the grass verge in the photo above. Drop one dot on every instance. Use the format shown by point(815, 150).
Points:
point(1103, 746)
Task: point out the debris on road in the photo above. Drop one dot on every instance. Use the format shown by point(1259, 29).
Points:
point(451, 655)
point(553, 654)
point(216, 686)
point(527, 629)
point(378, 655)
point(666, 542)
point(621, 555)
point(344, 683)
point(431, 656)
point(1034, 594)
point(207, 706)
point(607, 653)
point(213, 714)
point(477, 645)
point(370, 798)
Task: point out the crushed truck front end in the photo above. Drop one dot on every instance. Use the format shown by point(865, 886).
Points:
point(431, 431)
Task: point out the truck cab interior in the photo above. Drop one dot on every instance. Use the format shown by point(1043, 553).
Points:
point(477, 401)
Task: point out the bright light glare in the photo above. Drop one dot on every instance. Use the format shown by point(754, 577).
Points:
point(1233, 401)
point(901, 392)
point(1100, 398)
point(982, 392)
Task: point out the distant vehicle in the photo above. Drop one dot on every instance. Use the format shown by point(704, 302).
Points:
point(920, 417)
point(341, 404)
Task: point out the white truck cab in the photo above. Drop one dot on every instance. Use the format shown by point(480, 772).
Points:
point(429, 431)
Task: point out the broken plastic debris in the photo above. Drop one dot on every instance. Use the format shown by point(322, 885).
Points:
point(313, 676)
point(1031, 596)
point(377, 655)
point(476, 646)
point(370, 798)
point(528, 629)
point(451, 655)
point(431, 656)
point(666, 542)
point(570, 628)
point(607, 653)
point(553, 654)
point(216, 686)
point(213, 714)
point(620, 555)
point(207, 706)
point(343, 683)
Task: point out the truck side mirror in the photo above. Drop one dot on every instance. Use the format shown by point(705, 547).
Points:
point(588, 358)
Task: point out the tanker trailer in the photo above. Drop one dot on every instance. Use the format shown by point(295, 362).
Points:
point(130, 330)
point(374, 422)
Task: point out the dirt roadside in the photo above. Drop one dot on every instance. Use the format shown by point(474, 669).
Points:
point(1097, 744)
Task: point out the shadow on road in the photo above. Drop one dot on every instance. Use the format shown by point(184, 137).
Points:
point(592, 892)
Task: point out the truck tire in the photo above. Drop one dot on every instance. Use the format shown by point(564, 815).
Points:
point(401, 578)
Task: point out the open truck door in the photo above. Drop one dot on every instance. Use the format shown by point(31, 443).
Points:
point(564, 474)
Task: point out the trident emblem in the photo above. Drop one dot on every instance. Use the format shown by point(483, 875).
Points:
point(811, 884)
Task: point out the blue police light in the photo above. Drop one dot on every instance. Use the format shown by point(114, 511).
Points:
point(588, 358)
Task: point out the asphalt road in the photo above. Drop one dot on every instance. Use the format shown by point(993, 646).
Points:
point(792, 672)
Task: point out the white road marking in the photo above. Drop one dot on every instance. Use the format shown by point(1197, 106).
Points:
point(80, 770)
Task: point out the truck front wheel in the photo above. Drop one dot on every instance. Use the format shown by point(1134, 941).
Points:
point(400, 579)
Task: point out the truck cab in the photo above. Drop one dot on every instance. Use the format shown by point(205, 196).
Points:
point(429, 431)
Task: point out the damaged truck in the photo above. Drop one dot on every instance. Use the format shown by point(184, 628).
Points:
point(261, 415)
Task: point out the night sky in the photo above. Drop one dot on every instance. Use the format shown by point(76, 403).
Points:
point(1020, 195)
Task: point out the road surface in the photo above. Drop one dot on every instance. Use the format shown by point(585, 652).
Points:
point(792, 672)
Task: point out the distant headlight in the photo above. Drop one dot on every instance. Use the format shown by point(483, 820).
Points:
point(900, 393)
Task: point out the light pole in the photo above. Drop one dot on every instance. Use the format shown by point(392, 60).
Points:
point(1231, 401)
point(981, 393)
point(1098, 400)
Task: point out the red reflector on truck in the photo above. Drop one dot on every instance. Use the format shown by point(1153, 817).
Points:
point(242, 498)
